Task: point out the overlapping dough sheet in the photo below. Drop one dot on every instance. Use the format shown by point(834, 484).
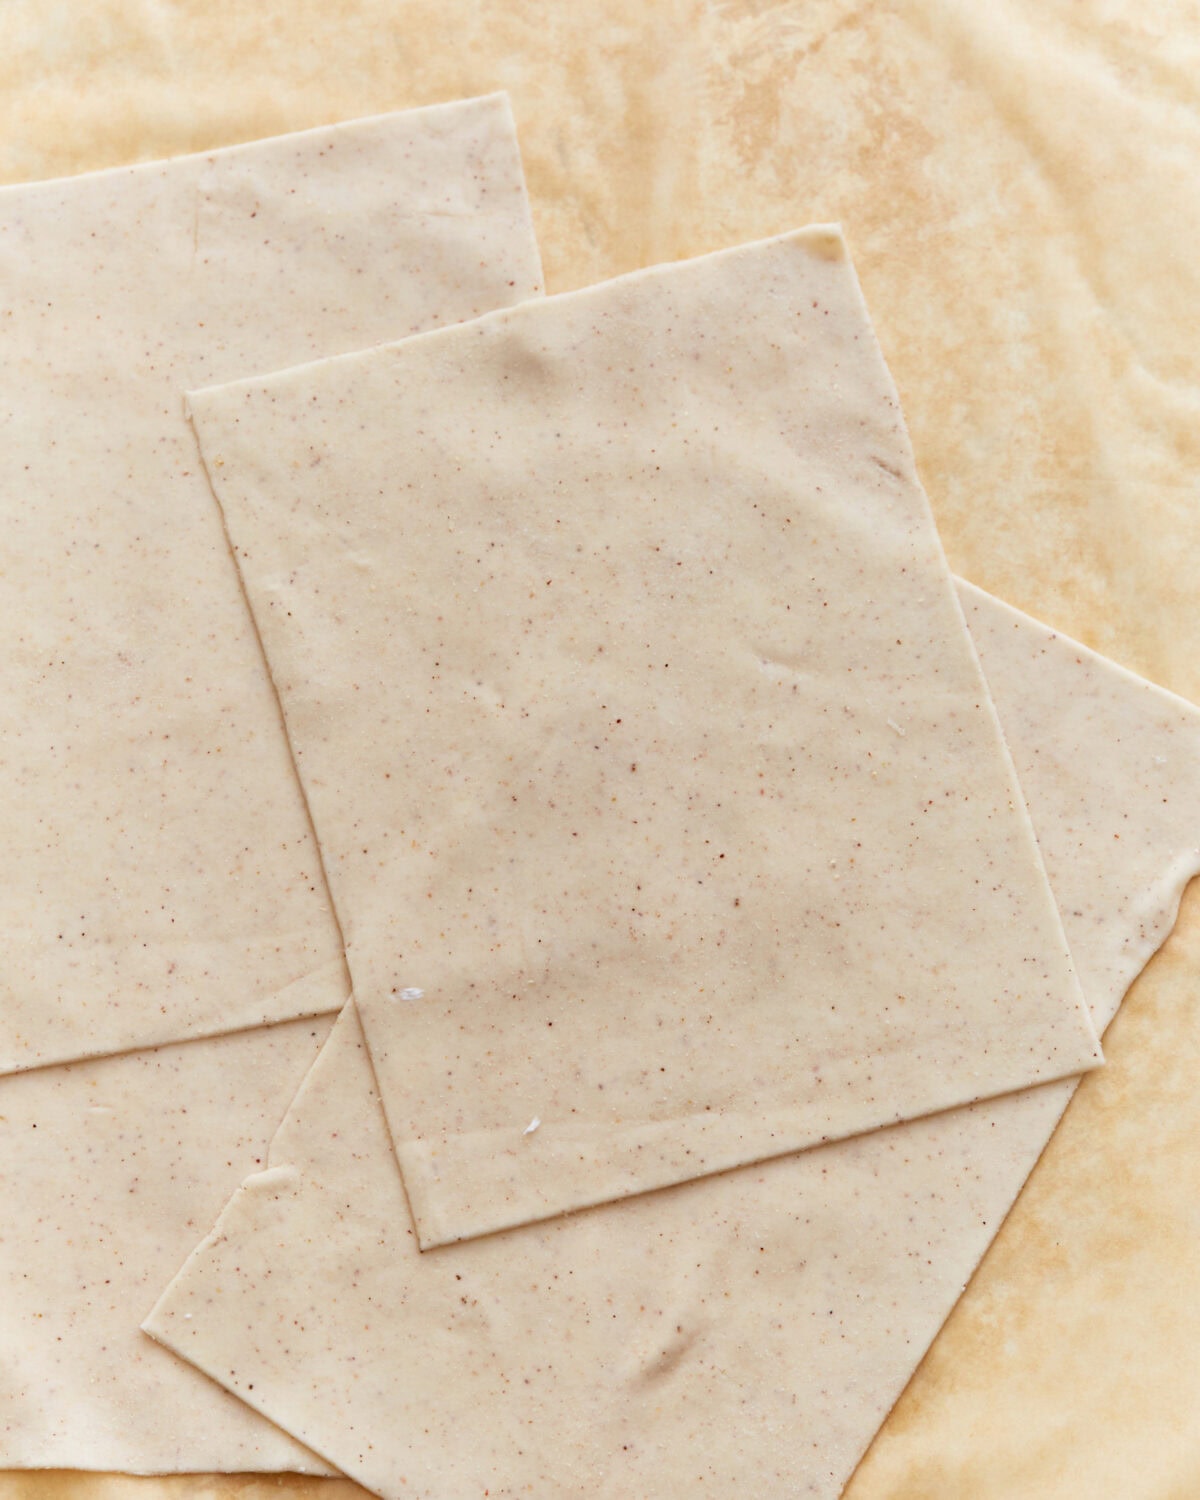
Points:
point(664, 807)
point(744, 1333)
point(110, 1168)
point(162, 877)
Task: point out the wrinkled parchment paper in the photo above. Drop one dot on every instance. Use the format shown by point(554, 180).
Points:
point(1019, 187)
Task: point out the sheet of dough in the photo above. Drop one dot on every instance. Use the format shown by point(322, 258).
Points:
point(1020, 182)
point(162, 880)
point(109, 1169)
point(664, 808)
point(743, 1334)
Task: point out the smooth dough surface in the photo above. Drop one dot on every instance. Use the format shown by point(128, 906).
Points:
point(110, 1169)
point(1020, 183)
point(663, 804)
point(162, 879)
point(746, 1333)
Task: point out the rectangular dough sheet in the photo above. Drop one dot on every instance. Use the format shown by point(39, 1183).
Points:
point(736, 1335)
point(110, 1168)
point(665, 811)
point(162, 878)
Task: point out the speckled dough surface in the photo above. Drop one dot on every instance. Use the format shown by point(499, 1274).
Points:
point(162, 880)
point(664, 807)
point(743, 1334)
point(1020, 185)
point(110, 1169)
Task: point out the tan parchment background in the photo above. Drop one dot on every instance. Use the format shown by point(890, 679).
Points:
point(1020, 183)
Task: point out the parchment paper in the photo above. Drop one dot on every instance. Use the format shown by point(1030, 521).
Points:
point(1019, 183)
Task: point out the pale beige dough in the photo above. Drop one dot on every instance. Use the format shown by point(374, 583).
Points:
point(743, 1334)
point(162, 879)
point(663, 805)
point(110, 1168)
point(1020, 183)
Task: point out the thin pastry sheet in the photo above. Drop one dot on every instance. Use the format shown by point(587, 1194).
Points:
point(110, 1168)
point(1022, 183)
point(162, 879)
point(748, 1332)
point(663, 803)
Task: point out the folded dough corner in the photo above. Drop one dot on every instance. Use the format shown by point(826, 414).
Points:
point(663, 803)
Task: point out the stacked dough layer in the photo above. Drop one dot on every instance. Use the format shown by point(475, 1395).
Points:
point(463, 553)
